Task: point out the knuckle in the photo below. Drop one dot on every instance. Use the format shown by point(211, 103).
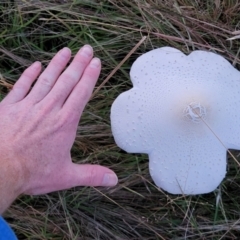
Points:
point(70, 116)
point(17, 87)
point(45, 81)
point(62, 121)
point(84, 92)
point(20, 85)
point(45, 109)
point(57, 96)
point(68, 78)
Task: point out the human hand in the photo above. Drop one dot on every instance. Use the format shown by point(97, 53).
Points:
point(38, 126)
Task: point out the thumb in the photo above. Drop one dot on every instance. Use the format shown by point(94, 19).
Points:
point(88, 175)
point(73, 175)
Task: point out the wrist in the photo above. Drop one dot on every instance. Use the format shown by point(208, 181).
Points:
point(11, 181)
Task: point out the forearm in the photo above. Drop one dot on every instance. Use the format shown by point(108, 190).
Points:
point(10, 182)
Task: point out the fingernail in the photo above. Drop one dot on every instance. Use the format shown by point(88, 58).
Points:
point(109, 180)
point(95, 63)
point(86, 51)
point(65, 52)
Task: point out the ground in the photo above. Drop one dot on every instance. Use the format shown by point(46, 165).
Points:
point(135, 208)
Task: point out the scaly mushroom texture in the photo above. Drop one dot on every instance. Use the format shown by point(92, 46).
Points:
point(183, 111)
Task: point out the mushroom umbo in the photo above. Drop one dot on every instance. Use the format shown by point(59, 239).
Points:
point(184, 112)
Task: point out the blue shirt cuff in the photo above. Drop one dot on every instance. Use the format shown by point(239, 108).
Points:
point(6, 233)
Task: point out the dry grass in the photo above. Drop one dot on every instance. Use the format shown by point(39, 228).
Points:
point(135, 209)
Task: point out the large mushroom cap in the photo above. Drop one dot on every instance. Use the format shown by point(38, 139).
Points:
point(183, 111)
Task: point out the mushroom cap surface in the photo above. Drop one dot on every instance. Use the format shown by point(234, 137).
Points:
point(183, 111)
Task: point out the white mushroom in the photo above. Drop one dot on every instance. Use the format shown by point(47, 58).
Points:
point(184, 112)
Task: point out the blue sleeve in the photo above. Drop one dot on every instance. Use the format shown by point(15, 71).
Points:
point(6, 233)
